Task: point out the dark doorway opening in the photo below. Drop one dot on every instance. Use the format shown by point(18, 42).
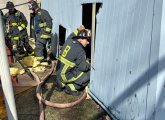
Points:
point(62, 35)
point(87, 15)
point(32, 32)
point(87, 21)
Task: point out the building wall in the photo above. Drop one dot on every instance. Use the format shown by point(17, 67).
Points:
point(128, 80)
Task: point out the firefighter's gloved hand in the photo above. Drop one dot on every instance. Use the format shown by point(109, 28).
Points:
point(88, 60)
point(14, 48)
point(20, 28)
point(7, 31)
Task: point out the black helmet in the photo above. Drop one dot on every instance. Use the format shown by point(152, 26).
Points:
point(33, 5)
point(9, 5)
point(84, 34)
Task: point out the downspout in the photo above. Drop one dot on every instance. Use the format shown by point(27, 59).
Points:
point(5, 78)
point(93, 32)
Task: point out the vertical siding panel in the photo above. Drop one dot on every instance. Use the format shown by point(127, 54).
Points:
point(160, 88)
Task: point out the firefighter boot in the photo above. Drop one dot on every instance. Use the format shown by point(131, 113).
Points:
point(71, 92)
point(59, 86)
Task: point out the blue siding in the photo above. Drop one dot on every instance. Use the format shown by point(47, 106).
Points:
point(129, 53)
point(160, 91)
point(125, 57)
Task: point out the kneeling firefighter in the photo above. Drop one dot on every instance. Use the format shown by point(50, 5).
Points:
point(73, 70)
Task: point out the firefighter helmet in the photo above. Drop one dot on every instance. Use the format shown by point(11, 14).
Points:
point(9, 5)
point(81, 27)
point(84, 34)
point(33, 5)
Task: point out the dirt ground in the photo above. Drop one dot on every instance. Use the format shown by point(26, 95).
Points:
point(87, 110)
point(28, 107)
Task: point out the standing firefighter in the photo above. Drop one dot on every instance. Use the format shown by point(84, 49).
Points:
point(73, 71)
point(16, 24)
point(42, 27)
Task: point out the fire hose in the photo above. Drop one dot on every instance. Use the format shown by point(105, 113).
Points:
point(50, 103)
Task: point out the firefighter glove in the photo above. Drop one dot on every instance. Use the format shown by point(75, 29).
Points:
point(88, 61)
point(15, 48)
point(20, 28)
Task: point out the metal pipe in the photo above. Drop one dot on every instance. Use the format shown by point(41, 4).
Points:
point(103, 106)
point(5, 78)
point(93, 32)
point(16, 5)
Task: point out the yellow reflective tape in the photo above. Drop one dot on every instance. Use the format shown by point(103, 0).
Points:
point(64, 80)
point(75, 32)
point(72, 87)
point(42, 24)
point(30, 54)
point(67, 62)
point(15, 38)
point(14, 24)
point(23, 26)
point(74, 79)
point(21, 55)
point(63, 76)
point(48, 30)
point(45, 36)
point(45, 24)
point(63, 85)
point(32, 27)
point(40, 57)
point(66, 50)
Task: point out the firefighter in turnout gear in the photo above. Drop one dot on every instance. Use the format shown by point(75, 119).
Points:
point(42, 27)
point(73, 70)
point(16, 31)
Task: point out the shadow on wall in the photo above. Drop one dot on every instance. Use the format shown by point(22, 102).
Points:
point(140, 82)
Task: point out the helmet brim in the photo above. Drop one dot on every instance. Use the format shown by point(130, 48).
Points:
point(80, 37)
point(9, 7)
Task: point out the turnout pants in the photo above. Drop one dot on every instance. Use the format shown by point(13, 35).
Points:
point(40, 49)
point(24, 43)
point(79, 84)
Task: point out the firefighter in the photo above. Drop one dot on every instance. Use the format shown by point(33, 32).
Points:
point(16, 24)
point(73, 70)
point(42, 27)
